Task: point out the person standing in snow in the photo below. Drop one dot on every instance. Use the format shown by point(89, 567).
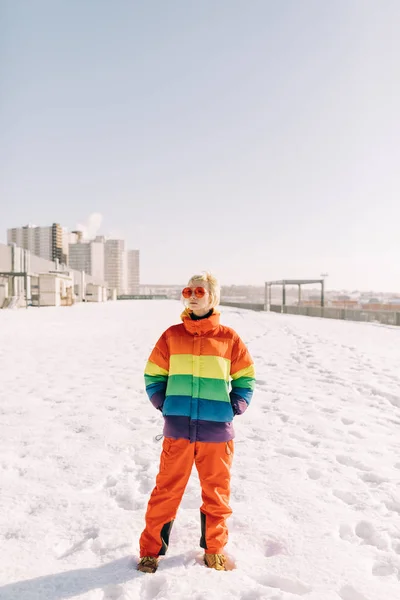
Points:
point(199, 374)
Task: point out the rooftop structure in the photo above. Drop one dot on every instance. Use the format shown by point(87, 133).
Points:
point(286, 282)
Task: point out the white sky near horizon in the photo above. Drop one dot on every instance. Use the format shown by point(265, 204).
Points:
point(260, 140)
point(315, 477)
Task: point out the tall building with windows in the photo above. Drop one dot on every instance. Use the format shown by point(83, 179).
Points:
point(115, 265)
point(59, 243)
point(88, 257)
point(50, 242)
point(98, 256)
point(105, 259)
point(133, 272)
point(80, 257)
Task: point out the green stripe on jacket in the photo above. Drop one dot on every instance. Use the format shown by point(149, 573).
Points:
point(244, 382)
point(198, 387)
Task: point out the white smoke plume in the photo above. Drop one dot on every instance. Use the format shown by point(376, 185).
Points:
point(91, 228)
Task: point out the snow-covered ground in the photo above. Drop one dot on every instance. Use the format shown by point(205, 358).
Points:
point(315, 480)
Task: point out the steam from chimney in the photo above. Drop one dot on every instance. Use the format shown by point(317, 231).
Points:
point(90, 229)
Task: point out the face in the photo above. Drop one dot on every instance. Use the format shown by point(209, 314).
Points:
point(199, 306)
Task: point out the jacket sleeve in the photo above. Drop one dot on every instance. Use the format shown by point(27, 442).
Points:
point(156, 373)
point(243, 377)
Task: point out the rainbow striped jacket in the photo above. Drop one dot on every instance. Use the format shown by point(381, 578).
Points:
point(200, 374)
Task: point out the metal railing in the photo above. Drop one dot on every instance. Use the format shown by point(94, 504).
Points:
point(385, 317)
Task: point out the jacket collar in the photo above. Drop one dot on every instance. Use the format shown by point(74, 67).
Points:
point(202, 326)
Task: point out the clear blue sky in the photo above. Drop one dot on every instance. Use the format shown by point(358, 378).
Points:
point(256, 138)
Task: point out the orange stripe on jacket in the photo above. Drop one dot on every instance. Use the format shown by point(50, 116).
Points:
point(184, 343)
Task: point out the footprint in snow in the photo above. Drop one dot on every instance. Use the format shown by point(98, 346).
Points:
point(128, 469)
point(299, 438)
point(367, 532)
point(345, 497)
point(90, 533)
point(350, 462)
point(153, 586)
point(373, 478)
point(347, 592)
point(253, 595)
point(113, 592)
point(383, 569)
point(145, 463)
point(356, 434)
point(396, 547)
point(393, 505)
point(314, 474)
point(346, 533)
point(291, 453)
point(330, 411)
point(274, 548)
point(146, 485)
point(110, 482)
point(292, 586)
point(126, 502)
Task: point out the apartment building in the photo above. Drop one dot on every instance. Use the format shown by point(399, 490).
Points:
point(88, 257)
point(115, 265)
point(50, 243)
point(107, 260)
point(80, 257)
point(133, 272)
point(104, 259)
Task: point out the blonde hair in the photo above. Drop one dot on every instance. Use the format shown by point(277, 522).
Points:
point(215, 291)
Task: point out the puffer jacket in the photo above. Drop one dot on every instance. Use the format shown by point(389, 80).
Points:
point(200, 374)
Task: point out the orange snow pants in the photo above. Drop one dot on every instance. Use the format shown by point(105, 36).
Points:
point(213, 461)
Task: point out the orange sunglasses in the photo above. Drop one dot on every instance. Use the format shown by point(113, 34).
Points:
point(199, 292)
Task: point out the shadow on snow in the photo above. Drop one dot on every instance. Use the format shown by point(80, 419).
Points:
point(71, 583)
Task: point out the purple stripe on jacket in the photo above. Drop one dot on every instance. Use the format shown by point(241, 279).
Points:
point(196, 430)
point(158, 399)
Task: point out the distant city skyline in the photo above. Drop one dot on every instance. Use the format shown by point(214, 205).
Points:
point(92, 229)
point(258, 140)
point(107, 260)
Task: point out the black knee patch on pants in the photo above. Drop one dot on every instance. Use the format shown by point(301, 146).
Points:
point(203, 543)
point(165, 533)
